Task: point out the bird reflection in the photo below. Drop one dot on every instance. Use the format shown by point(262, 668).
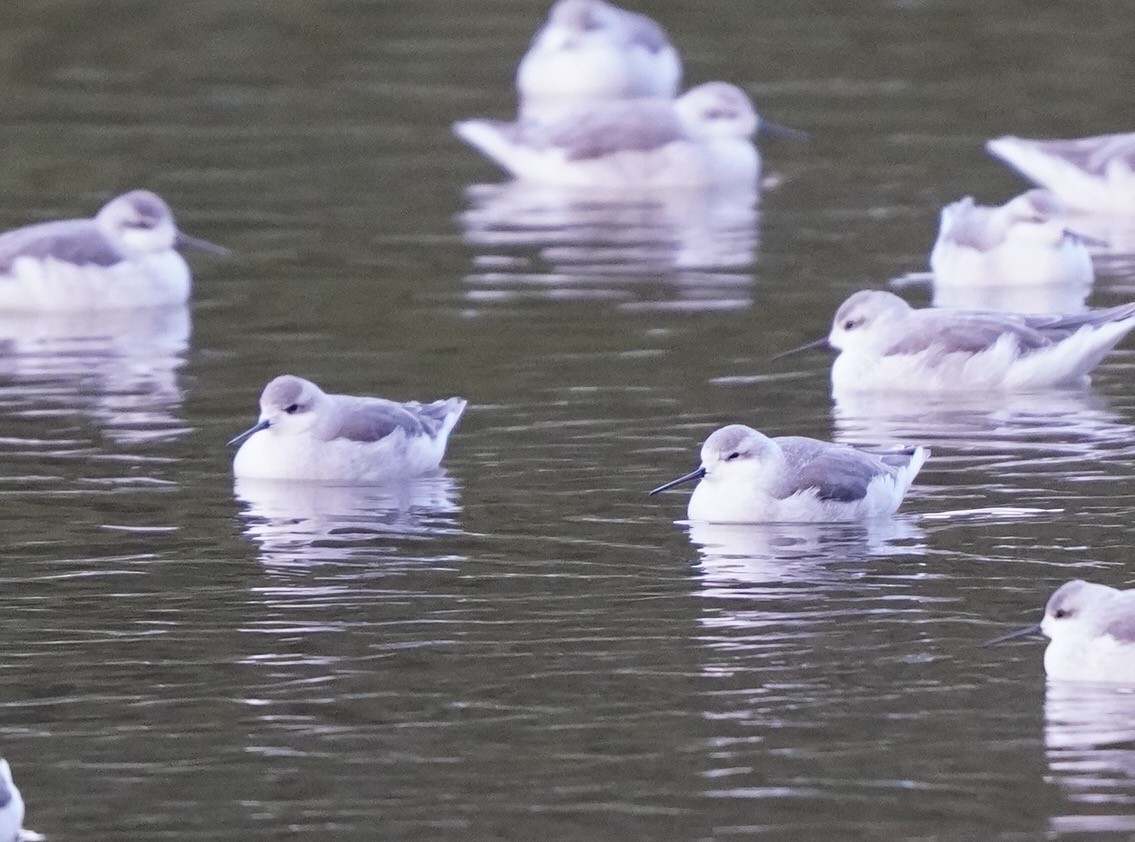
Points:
point(1035, 448)
point(118, 368)
point(1058, 422)
point(1089, 737)
point(741, 555)
point(588, 242)
point(298, 523)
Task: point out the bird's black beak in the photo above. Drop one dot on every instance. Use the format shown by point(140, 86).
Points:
point(779, 132)
point(698, 474)
point(185, 241)
point(251, 431)
point(807, 346)
point(1086, 239)
point(1025, 632)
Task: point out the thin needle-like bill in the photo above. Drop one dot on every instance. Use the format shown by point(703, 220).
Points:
point(779, 132)
point(698, 474)
point(814, 345)
point(1025, 632)
point(251, 431)
point(184, 240)
point(1086, 239)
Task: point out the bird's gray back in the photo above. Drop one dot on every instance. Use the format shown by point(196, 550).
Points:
point(606, 128)
point(837, 473)
point(372, 419)
point(949, 332)
point(1092, 154)
point(76, 241)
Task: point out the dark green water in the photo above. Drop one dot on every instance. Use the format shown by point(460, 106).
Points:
point(530, 647)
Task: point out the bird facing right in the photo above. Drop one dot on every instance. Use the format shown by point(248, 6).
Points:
point(1024, 242)
point(747, 477)
point(701, 139)
point(1091, 629)
point(306, 434)
point(123, 258)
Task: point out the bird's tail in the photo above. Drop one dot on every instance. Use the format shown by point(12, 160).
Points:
point(492, 139)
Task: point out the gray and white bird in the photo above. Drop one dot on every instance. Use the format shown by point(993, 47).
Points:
point(1025, 242)
point(1091, 629)
point(747, 477)
point(1094, 174)
point(306, 434)
point(590, 51)
point(884, 344)
point(125, 257)
point(701, 139)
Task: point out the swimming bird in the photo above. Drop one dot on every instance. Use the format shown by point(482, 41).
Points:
point(747, 477)
point(1095, 174)
point(1026, 241)
point(885, 344)
point(306, 434)
point(11, 806)
point(124, 257)
point(1091, 629)
point(701, 139)
point(591, 51)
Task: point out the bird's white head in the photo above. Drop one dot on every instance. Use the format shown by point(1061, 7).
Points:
point(140, 222)
point(717, 110)
point(290, 404)
point(861, 320)
point(571, 20)
point(735, 452)
point(1070, 611)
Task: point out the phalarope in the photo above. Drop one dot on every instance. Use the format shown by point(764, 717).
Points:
point(885, 344)
point(306, 434)
point(701, 139)
point(125, 257)
point(747, 477)
point(1024, 242)
point(1091, 629)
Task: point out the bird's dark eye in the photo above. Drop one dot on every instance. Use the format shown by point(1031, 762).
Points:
point(292, 408)
point(732, 455)
point(1059, 613)
point(851, 324)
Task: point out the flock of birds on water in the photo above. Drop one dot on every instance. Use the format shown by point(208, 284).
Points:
point(599, 108)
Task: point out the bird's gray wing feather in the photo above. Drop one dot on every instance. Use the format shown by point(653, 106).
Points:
point(840, 474)
point(370, 420)
point(1092, 154)
point(76, 241)
point(950, 332)
point(607, 128)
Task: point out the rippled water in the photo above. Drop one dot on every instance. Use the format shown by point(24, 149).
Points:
point(529, 646)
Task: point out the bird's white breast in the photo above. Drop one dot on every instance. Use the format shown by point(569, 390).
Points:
point(51, 285)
